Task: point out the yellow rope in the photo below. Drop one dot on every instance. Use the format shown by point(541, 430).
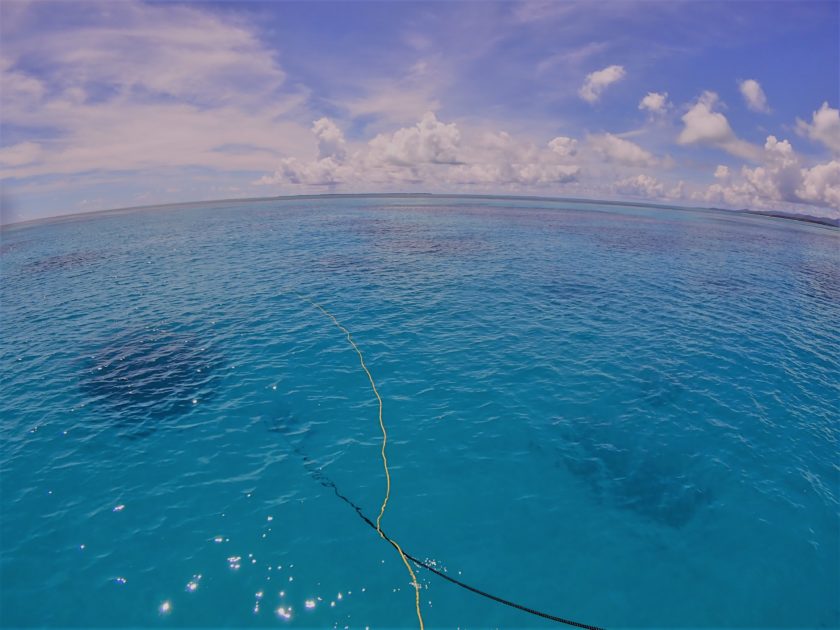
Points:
point(414, 581)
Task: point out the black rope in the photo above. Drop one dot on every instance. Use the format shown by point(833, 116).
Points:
point(325, 481)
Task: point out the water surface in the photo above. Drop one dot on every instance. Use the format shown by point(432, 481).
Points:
point(623, 415)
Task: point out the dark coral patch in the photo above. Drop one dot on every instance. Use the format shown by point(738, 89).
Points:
point(147, 376)
point(658, 484)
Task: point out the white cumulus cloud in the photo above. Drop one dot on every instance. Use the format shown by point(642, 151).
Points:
point(504, 173)
point(615, 149)
point(330, 167)
point(821, 184)
point(430, 152)
point(429, 141)
point(598, 81)
point(641, 186)
point(322, 172)
point(703, 125)
point(780, 178)
point(824, 127)
point(648, 187)
point(655, 102)
point(331, 141)
point(754, 96)
point(563, 146)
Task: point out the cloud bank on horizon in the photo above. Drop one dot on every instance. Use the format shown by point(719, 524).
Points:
point(110, 104)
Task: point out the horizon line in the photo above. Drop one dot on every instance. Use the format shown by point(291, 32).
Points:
point(803, 218)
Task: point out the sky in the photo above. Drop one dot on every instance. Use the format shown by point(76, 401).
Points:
point(124, 103)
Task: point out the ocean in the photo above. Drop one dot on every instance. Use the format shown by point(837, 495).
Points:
point(622, 415)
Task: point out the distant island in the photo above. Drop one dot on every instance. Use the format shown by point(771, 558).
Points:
point(807, 218)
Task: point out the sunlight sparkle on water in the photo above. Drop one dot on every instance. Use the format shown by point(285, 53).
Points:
point(192, 585)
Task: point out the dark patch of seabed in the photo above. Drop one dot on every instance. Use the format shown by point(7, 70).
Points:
point(615, 459)
point(63, 262)
point(657, 485)
point(623, 468)
point(144, 377)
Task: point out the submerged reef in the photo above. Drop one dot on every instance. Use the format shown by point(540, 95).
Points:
point(143, 377)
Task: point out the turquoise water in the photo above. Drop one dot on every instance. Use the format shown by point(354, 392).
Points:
point(623, 415)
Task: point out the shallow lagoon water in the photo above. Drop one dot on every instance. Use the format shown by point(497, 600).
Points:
point(618, 414)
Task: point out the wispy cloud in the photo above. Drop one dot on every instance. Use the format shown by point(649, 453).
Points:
point(145, 86)
point(754, 96)
point(598, 81)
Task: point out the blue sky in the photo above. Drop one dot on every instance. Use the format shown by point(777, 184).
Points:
point(113, 104)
